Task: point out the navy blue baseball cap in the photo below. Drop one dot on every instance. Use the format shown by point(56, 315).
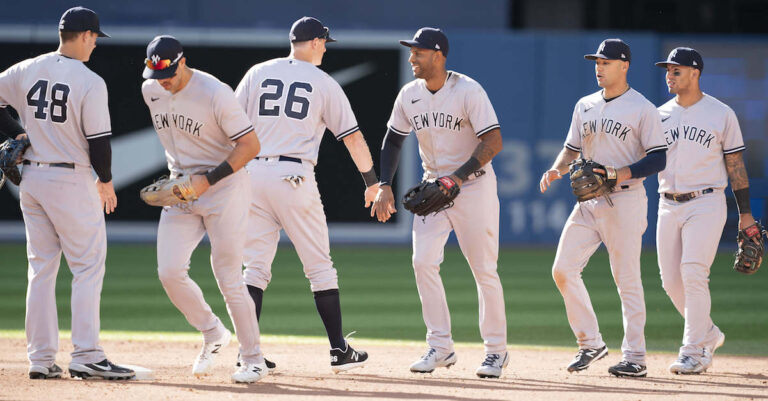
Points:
point(611, 49)
point(428, 38)
point(163, 55)
point(684, 56)
point(80, 19)
point(308, 28)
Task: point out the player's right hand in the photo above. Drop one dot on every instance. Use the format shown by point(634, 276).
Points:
point(547, 178)
point(107, 195)
point(384, 205)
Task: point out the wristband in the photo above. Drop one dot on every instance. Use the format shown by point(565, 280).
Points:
point(369, 177)
point(742, 200)
point(217, 174)
point(467, 168)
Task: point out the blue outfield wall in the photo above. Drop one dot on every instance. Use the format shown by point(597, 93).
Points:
point(534, 81)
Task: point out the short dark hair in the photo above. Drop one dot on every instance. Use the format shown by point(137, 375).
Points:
point(67, 36)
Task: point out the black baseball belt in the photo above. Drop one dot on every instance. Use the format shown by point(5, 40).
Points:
point(688, 195)
point(62, 165)
point(281, 158)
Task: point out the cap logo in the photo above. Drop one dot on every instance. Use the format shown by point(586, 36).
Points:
point(623, 56)
point(673, 54)
point(155, 59)
point(694, 62)
point(601, 48)
point(437, 46)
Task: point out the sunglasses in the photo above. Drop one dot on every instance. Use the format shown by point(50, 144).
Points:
point(161, 64)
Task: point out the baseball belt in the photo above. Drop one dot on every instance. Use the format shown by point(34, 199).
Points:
point(688, 196)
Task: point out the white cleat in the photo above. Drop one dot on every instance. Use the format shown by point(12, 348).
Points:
point(208, 353)
point(492, 365)
point(686, 365)
point(250, 372)
point(709, 352)
point(433, 359)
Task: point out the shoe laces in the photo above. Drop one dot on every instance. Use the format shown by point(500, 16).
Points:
point(490, 359)
point(429, 354)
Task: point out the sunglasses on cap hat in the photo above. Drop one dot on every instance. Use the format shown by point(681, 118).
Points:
point(160, 64)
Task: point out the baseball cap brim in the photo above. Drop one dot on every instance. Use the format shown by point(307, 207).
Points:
point(665, 63)
point(600, 56)
point(159, 74)
point(102, 34)
point(413, 43)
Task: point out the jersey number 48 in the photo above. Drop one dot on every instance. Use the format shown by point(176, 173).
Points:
point(36, 97)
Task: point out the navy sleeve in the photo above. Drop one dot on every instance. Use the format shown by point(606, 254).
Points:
point(651, 164)
point(390, 156)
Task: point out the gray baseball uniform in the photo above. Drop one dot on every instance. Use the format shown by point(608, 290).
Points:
point(448, 125)
point(62, 104)
point(196, 127)
point(290, 102)
point(688, 232)
point(614, 133)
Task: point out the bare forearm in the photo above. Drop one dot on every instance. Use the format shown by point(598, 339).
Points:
point(359, 151)
point(737, 172)
point(489, 147)
point(564, 158)
point(246, 148)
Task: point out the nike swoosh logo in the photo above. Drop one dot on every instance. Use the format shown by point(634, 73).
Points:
point(154, 98)
point(588, 109)
point(414, 100)
point(665, 119)
point(216, 349)
point(105, 368)
point(355, 73)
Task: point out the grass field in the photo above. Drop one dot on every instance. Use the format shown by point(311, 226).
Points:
point(379, 298)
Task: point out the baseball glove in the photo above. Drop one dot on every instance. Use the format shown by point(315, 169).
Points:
point(751, 246)
point(11, 152)
point(587, 183)
point(169, 191)
point(431, 196)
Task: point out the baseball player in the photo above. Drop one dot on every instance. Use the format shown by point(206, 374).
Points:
point(207, 135)
point(291, 102)
point(618, 128)
point(63, 106)
point(458, 135)
point(701, 133)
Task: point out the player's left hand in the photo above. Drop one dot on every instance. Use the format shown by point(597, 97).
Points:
point(746, 220)
point(107, 195)
point(384, 204)
point(199, 184)
point(370, 195)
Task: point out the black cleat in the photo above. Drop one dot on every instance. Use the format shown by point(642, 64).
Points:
point(270, 365)
point(342, 361)
point(102, 370)
point(628, 369)
point(41, 372)
point(586, 357)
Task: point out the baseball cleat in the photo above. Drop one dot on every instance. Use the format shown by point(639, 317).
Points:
point(709, 353)
point(434, 359)
point(42, 372)
point(270, 365)
point(208, 353)
point(586, 357)
point(628, 369)
point(492, 366)
point(342, 361)
point(100, 370)
point(249, 372)
point(686, 365)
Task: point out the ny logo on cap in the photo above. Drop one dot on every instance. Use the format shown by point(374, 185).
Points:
point(673, 54)
point(155, 59)
point(601, 48)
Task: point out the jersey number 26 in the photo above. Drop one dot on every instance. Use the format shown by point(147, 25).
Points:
point(292, 99)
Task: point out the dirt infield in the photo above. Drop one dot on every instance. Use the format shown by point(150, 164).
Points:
point(303, 372)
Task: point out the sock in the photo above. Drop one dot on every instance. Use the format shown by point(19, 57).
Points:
point(257, 294)
point(329, 308)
